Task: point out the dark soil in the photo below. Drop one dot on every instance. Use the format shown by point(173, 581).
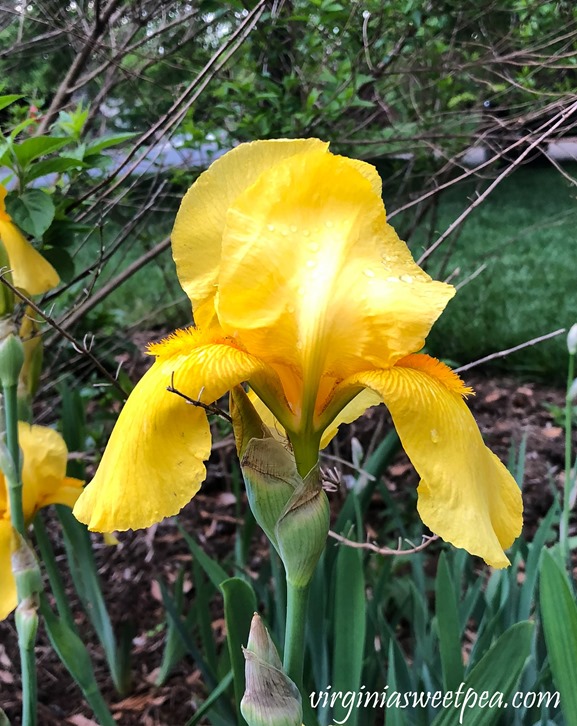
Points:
point(506, 410)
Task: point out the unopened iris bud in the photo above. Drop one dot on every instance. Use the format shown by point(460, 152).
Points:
point(270, 697)
point(572, 340)
point(11, 359)
point(293, 513)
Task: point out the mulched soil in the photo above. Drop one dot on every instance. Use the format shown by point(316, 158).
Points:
point(506, 411)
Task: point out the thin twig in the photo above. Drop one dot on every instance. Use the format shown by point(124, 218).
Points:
point(503, 353)
point(385, 551)
point(209, 408)
point(562, 117)
point(79, 348)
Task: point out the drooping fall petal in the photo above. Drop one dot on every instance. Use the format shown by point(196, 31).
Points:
point(153, 463)
point(30, 271)
point(466, 494)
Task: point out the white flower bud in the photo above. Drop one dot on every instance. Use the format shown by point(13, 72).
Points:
point(572, 340)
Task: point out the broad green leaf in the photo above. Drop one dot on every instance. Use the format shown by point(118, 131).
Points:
point(87, 584)
point(73, 654)
point(7, 100)
point(395, 716)
point(97, 146)
point(61, 261)
point(447, 611)
point(536, 548)
point(349, 628)
point(497, 674)
point(559, 618)
point(51, 166)
point(239, 607)
point(30, 149)
point(32, 211)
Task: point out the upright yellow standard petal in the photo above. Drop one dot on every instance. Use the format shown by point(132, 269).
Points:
point(314, 280)
point(153, 463)
point(466, 495)
point(199, 225)
point(8, 598)
point(30, 271)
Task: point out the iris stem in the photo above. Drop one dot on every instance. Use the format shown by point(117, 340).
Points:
point(564, 524)
point(27, 619)
point(26, 641)
point(14, 481)
point(294, 650)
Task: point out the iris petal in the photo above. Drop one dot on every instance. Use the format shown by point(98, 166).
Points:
point(30, 271)
point(153, 463)
point(8, 598)
point(44, 470)
point(466, 494)
point(199, 225)
point(313, 277)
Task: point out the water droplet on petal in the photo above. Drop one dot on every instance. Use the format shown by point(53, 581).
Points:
point(392, 278)
point(290, 309)
point(314, 246)
point(293, 228)
point(306, 232)
point(369, 273)
point(435, 436)
point(299, 345)
point(406, 278)
point(311, 263)
point(270, 227)
point(328, 224)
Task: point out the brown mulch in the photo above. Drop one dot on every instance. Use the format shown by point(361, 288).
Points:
point(506, 411)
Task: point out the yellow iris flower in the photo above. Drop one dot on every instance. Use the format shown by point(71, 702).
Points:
point(30, 271)
point(44, 482)
point(301, 288)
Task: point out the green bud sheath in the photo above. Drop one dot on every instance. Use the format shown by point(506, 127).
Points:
point(26, 569)
point(271, 479)
point(246, 423)
point(11, 356)
point(270, 697)
point(268, 469)
point(302, 530)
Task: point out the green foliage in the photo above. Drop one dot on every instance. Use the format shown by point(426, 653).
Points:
point(559, 613)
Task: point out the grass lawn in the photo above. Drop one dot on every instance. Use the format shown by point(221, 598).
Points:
point(525, 234)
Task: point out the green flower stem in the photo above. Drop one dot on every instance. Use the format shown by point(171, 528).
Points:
point(294, 647)
point(27, 617)
point(14, 482)
point(564, 524)
point(27, 625)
